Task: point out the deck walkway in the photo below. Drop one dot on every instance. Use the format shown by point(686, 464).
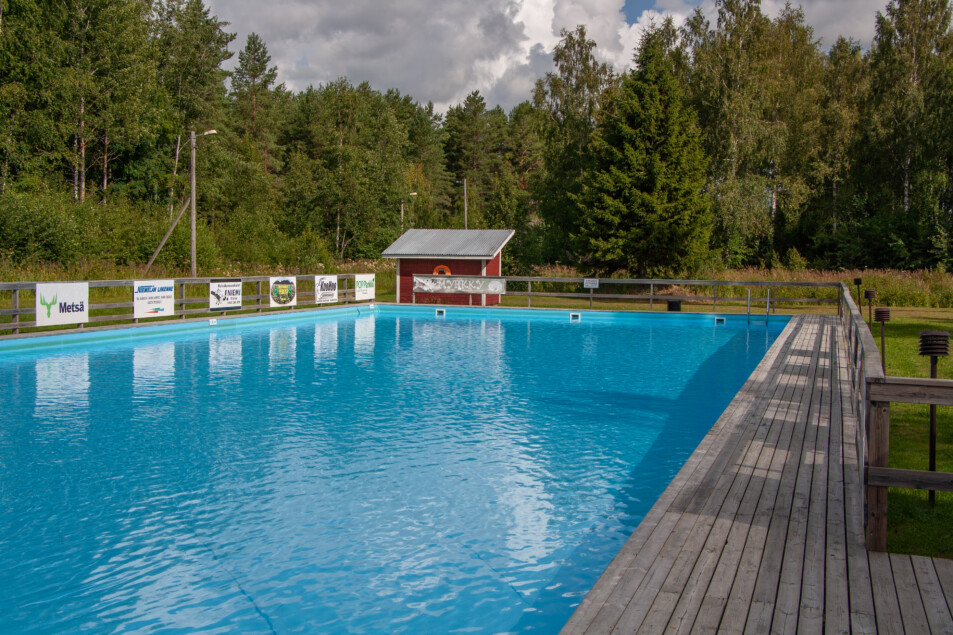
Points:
point(762, 531)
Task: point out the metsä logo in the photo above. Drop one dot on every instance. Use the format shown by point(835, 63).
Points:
point(70, 307)
point(49, 305)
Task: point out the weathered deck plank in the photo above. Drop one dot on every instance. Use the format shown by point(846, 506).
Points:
point(762, 529)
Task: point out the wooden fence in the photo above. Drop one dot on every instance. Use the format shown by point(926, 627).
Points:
point(22, 303)
point(873, 392)
point(655, 285)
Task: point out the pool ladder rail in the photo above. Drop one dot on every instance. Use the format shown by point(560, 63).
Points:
point(767, 308)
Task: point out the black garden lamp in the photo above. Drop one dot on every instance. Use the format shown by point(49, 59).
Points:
point(869, 295)
point(934, 344)
point(882, 316)
point(857, 283)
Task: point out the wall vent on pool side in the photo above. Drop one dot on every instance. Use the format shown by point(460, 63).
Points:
point(574, 317)
point(719, 320)
point(440, 313)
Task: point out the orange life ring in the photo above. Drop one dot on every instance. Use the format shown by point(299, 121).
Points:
point(441, 270)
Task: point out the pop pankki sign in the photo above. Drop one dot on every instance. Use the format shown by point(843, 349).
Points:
point(153, 298)
point(62, 303)
point(364, 286)
point(445, 284)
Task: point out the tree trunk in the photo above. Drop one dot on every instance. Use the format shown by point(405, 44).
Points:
point(82, 149)
point(835, 206)
point(105, 165)
point(75, 170)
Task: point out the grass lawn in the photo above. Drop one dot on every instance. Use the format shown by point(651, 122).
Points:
point(913, 526)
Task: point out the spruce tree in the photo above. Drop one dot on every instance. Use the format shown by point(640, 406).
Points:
point(641, 208)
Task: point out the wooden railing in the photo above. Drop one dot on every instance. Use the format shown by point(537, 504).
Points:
point(873, 393)
point(185, 304)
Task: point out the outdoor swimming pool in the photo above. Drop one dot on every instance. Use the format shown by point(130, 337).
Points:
point(333, 472)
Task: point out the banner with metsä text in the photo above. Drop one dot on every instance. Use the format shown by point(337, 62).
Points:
point(62, 303)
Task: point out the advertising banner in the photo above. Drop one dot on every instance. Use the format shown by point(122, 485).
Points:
point(445, 284)
point(364, 286)
point(62, 303)
point(590, 283)
point(153, 298)
point(224, 294)
point(283, 291)
point(325, 289)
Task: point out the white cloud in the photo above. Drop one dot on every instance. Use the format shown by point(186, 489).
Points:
point(441, 50)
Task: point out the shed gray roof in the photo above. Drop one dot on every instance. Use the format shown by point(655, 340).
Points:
point(449, 243)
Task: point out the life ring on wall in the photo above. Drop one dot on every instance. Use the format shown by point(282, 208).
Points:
point(441, 270)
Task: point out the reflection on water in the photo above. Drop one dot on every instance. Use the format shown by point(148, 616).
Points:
point(380, 474)
point(62, 386)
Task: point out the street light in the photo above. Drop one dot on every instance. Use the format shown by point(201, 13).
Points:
point(192, 137)
point(402, 211)
point(464, 203)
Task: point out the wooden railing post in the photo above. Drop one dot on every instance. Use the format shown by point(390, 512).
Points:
point(258, 293)
point(16, 305)
point(529, 293)
point(878, 455)
point(182, 304)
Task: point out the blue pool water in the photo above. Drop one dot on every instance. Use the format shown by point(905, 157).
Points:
point(329, 472)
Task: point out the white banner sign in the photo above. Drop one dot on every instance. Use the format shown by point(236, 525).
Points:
point(446, 284)
point(325, 289)
point(224, 295)
point(153, 298)
point(283, 291)
point(62, 303)
point(364, 286)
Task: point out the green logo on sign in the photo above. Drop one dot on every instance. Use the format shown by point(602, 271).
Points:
point(49, 305)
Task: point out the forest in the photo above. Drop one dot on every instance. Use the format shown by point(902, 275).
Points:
point(737, 142)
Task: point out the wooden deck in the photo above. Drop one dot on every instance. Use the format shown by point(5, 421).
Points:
point(762, 529)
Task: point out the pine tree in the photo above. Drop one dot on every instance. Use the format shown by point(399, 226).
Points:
point(641, 206)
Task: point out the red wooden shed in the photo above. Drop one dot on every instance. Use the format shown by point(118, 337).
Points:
point(461, 252)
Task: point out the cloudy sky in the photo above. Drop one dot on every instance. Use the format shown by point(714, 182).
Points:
point(440, 50)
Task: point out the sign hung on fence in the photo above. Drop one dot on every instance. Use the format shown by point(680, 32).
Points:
point(364, 286)
point(443, 284)
point(153, 298)
point(590, 283)
point(283, 292)
point(62, 303)
point(325, 289)
point(224, 294)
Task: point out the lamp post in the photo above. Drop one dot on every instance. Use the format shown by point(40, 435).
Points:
point(402, 211)
point(192, 138)
point(935, 344)
point(882, 316)
point(857, 283)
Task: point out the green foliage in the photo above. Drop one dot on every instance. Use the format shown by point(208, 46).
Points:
point(642, 210)
point(38, 227)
